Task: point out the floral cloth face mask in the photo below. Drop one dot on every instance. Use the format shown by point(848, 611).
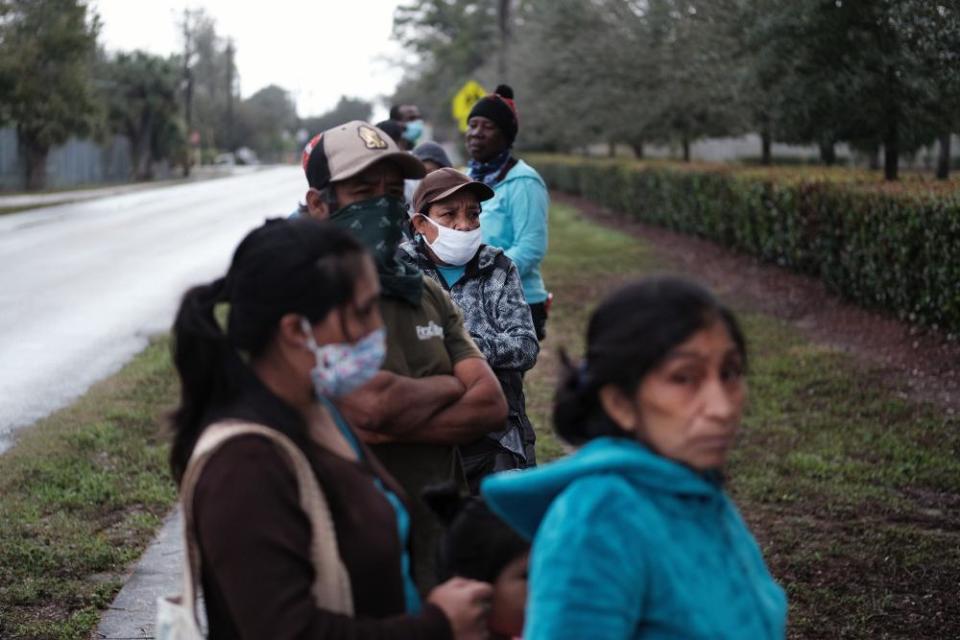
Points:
point(344, 367)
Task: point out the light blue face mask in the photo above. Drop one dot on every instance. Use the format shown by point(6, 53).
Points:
point(413, 131)
point(343, 368)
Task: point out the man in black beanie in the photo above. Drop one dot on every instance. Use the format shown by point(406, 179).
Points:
point(515, 220)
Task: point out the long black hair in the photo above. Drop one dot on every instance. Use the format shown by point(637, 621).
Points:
point(629, 334)
point(300, 266)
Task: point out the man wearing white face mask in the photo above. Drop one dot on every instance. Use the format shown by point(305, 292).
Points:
point(485, 284)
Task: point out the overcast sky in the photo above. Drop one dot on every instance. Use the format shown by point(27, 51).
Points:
point(316, 49)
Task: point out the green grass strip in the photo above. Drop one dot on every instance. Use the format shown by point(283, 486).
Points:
point(82, 492)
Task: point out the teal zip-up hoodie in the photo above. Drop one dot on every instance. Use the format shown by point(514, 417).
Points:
point(515, 220)
point(628, 544)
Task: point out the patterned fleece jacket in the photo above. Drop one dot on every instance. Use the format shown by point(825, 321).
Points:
point(496, 314)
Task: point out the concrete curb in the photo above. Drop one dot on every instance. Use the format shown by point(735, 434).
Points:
point(132, 615)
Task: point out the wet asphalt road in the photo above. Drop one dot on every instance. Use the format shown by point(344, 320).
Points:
point(83, 286)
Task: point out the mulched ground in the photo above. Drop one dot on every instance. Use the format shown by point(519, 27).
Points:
point(921, 363)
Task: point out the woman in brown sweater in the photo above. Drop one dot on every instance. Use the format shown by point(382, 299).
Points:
point(303, 328)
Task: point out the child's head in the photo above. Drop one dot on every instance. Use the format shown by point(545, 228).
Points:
point(480, 546)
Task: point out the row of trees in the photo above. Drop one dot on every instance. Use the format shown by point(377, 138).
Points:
point(881, 75)
point(56, 81)
point(46, 55)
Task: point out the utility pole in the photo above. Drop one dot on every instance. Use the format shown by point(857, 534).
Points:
point(230, 53)
point(188, 87)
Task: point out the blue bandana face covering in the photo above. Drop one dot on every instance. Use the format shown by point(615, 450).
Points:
point(343, 368)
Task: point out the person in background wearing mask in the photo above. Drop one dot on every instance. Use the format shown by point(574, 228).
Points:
point(433, 157)
point(484, 283)
point(409, 116)
point(436, 390)
point(303, 328)
point(515, 220)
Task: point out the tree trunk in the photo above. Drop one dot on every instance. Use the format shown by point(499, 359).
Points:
point(766, 142)
point(230, 52)
point(146, 167)
point(503, 23)
point(828, 154)
point(891, 151)
point(943, 161)
point(637, 147)
point(136, 157)
point(611, 149)
point(891, 133)
point(139, 151)
point(34, 163)
point(188, 107)
point(188, 89)
point(874, 157)
point(686, 148)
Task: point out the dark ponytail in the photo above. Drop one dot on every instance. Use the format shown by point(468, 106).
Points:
point(303, 266)
point(577, 416)
point(630, 333)
point(201, 355)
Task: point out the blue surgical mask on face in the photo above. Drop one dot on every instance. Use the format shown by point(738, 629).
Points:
point(344, 367)
point(413, 131)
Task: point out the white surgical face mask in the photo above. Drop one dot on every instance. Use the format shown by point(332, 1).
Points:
point(344, 367)
point(454, 247)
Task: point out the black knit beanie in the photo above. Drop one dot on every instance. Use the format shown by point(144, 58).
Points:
point(500, 108)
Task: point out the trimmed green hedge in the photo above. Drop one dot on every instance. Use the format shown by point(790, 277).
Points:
point(894, 251)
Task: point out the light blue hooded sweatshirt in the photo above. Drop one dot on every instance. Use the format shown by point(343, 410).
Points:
point(515, 220)
point(628, 544)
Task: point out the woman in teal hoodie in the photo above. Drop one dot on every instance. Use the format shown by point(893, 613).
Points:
point(515, 219)
point(633, 535)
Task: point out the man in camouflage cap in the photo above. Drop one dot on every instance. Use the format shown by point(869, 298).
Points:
point(436, 390)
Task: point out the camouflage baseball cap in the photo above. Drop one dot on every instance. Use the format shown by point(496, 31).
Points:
point(344, 151)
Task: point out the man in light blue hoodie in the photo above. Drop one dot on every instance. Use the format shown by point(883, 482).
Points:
point(515, 220)
point(633, 535)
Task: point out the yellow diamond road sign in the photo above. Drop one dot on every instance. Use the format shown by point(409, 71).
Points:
point(464, 100)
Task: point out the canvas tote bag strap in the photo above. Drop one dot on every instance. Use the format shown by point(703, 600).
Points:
point(331, 588)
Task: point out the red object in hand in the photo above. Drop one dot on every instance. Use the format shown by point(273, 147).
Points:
point(548, 304)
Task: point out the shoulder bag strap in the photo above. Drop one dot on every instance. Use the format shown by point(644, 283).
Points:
point(331, 588)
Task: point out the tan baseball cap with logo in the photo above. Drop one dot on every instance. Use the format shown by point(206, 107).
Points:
point(346, 150)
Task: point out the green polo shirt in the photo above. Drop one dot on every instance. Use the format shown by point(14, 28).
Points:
point(424, 340)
